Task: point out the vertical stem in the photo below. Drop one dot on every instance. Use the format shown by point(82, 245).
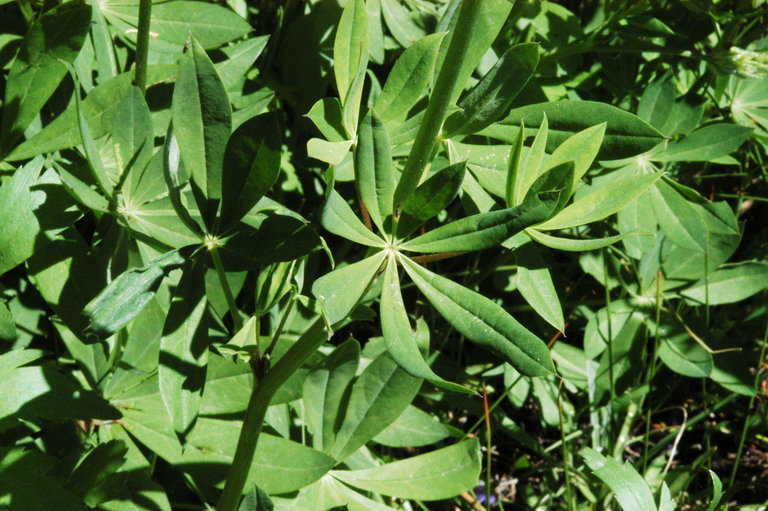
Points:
point(756, 388)
point(609, 346)
point(439, 102)
point(651, 371)
point(261, 396)
point(142, 44)
point(488, 447)
point(564, 446)
point(237, 321)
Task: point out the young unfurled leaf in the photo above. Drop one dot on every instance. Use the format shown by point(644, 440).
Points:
point(373, 169)
point(483, 321)
point(400, 338)
point(485, 230)
point(202, 120)
point(126, 296)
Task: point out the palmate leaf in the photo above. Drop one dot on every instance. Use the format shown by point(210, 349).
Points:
point(483, 321)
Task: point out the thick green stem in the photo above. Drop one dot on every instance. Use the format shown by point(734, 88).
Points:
point(439, 102)
point(237, 320)
point(142, 44)
point(261, 396)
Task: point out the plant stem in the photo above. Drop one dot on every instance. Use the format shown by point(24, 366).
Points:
point(439, 102)
point(756, 388)
point(261, 396)
point(142, 45)
point(237, 321)
point(564, 443)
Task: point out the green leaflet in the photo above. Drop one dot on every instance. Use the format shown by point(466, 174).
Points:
point(413, 428)
point(534, 282)
point(252, 163)
point(581, 149)
point(211, 24)
point(328, 118)
point(571, 244)
point(340, 291)
point(41, 391)
point(20, 227)
point(175, 179)
point(184, 349)
point(350, 45)
point(631, 490)
point(378, 397)
point(625, 134)
point(430, 198)
point(408, 80)
point(202, 120)
point(126, 296)
point(601, 202)
point(707, 143)
point(484, 230)
point(373, 170)
point(279, 465)
point(98, 108)
point(729, 285)
point(324, 391)
point(483, 321)
point(489, 20)
point(400, 338)
point(489, 100)
point(37, 70)
point(437, 475)
point(339, 218)
point(133, 141)
point(533, 166)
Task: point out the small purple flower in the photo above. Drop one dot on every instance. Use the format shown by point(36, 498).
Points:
point(483, 497)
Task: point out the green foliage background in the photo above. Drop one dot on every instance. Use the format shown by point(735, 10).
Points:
point(383, 255)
